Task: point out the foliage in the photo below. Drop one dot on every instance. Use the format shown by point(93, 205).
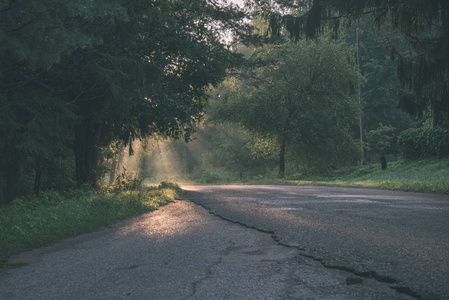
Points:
point(379, 98)
point(170, 186)
point(263, 146)
point(77, 76)
point(424, 24)
point(215, 152)
point(35, 36)
point(302, 98)
point(229, 152)
point(380, 138)
point(156, 86)
point(33, 222)
point(424, 142)
point(124, 182)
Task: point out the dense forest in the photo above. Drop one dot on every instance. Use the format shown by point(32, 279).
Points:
point(79, 77)
point(277, 88)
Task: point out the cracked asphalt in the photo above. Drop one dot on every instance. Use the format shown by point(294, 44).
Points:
point(396, 238)
point(252, 242)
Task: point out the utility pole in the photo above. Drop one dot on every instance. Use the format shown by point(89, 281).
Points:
point(360, 90)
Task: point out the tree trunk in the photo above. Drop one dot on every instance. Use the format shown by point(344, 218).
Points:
point(115, 167)
point(14, 172)
point(37, 179)
point(383, 162)
point(86, 153)
point(282, 160)
point(112, 171)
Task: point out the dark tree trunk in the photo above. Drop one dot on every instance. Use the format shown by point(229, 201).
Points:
point(115, 166)
point(282, 160)
point(37, 180)
point(383, 162)
point(86, 153)
point(14, 172)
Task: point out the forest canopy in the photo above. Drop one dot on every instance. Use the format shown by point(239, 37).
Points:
point(423, 72)
point(76, 76)
point(301, 102)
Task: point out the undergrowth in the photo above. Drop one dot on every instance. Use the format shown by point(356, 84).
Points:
point(37, 221)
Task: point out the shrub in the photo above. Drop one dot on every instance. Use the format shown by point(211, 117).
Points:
point(379, 140)
point(125, 182)
point(170, 185)
point(424, 142)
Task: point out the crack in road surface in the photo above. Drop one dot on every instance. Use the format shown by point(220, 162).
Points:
point(391, 282)
point(199, 281)
point(188, 250)
point(398, 239)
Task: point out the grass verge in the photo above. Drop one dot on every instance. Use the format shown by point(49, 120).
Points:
point(430, 175)
point(28, 223)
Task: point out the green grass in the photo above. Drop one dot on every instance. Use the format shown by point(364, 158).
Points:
point(425, 175)
point(28, 223)
point(430, 175)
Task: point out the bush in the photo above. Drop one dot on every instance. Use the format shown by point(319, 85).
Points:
point(125, 182)
point(379, 140)
point(424, 142)
point(170, 185)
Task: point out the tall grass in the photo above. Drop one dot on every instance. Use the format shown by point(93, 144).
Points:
point(38, 221)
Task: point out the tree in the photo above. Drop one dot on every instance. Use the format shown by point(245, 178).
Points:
point(229, 151)
point(157, 84)
point(79, 75)
point(379, 99)
point(303, 98)
point(34, 37)
point(424, 24)
point(380, 141)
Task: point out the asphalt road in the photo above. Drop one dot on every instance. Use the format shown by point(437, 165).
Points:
point(400, 239)
point(252, 242)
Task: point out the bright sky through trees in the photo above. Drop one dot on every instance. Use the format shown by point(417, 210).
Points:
point(238, 2)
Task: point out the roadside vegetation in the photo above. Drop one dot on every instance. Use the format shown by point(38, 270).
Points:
point(34, 222)
point(418, 175)
point(423, 175)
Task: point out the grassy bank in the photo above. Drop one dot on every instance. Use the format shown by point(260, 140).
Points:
point(430, 175)
point(36, 222)
point(425, 175)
